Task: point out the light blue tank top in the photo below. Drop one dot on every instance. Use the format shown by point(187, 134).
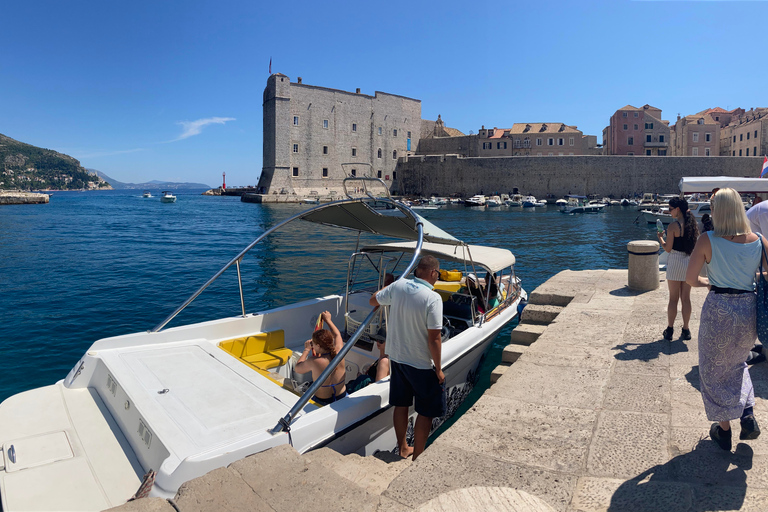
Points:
point(733, 265)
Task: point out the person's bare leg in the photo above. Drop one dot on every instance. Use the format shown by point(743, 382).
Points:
point(400, 420)
point(725, 425)
point(420, 434)
point(674, 296)
point(685, 299)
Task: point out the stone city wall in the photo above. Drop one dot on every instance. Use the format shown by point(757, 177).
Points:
point(602, 175)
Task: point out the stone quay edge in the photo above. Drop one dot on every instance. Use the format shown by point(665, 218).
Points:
point(597, 413)
point(7, 197)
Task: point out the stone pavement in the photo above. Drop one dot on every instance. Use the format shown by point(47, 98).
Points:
point(597, 413)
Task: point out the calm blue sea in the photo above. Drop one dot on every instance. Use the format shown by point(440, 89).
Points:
point(94, 264)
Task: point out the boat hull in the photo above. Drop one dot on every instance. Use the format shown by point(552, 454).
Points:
point(150, 423)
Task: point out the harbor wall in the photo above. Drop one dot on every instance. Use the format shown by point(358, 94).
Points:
point(446, 175)
point(7, 197)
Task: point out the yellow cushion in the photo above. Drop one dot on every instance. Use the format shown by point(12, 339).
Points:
point(452, 287)
point(263, 350)
point(271, 359)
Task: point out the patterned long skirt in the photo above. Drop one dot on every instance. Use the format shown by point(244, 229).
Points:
point(726, 333)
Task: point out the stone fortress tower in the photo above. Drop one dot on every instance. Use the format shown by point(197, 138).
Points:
point(310, 131)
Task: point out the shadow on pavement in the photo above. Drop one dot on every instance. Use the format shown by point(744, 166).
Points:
point(648, 351)
point(700, 478)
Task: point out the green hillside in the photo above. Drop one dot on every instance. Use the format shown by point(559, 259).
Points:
point(27, 167)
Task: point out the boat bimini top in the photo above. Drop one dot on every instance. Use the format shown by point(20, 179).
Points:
point(492, 258)
point(705, 184)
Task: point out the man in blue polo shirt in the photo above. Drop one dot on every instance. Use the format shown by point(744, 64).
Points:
point(414, 346)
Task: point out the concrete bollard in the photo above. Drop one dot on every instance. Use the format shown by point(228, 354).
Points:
point(643, 265)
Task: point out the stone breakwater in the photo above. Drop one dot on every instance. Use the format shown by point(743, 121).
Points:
point(23, 198)
point(597, 413)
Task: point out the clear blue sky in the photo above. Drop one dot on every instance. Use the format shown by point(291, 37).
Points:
point(171, 90)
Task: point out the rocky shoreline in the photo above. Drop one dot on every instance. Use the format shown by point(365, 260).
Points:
point(16, 197)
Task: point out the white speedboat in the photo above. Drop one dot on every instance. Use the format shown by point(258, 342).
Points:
point(438, 201)
point(697, 208)
point(311, 200)
point(478, 200)
point(579, 204)
point(494, 201)
point(516, 200)
point(160, 407)
point(167, 197)
point(561, 202)
point(146, 193)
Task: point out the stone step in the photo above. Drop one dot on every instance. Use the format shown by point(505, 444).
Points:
point(277, 479)
point(373, 474)
point(512, 352)
point(525, 334)
point(497, 373)
point(540, 314)
point(549, 298)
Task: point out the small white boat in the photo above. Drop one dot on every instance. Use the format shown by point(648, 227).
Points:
point(158, 408)
point(532, 202)
point(494, 201)
point(146, 194)
point(561, 202)
point(477, 200)
point(697, 208)
point(516, 200)
point(579, 204)
point(311, 200)
point(438, 201)
point(167, 197)
point(625, 202)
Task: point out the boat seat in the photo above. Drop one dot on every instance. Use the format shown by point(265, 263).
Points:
point(263, 351)
point(447, 286)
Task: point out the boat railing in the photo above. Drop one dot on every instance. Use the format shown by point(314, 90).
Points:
point(284, 424)
point(365, 182)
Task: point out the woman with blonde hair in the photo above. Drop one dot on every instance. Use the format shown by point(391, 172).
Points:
point(681, 238)
point(727, 326)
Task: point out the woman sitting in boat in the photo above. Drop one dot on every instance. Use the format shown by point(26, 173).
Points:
point(324, 346)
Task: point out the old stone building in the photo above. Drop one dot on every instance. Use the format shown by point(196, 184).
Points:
point(523, 139)
point(637, 131)
point(314, 137)
point(696, 135)
point(746, 135)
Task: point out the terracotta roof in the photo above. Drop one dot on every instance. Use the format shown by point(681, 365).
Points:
point(693, 119)
point(628, 107)
point(499, 133)
point(453, 132)
point(520, 128)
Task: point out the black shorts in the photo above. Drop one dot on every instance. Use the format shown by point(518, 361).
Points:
point(407, 382)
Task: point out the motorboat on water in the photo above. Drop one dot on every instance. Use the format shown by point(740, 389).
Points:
point(516, 200)
point(167, 197)
point(146, 193)
point(561, 203)
point(157, 408)
point(494, 201)
point(438, 201)
point(697, 208)
point(579, 204)
point(532, 202)
point(477, 200)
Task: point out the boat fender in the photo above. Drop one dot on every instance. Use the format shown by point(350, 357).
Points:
point(450, 275)
point(521, 306)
